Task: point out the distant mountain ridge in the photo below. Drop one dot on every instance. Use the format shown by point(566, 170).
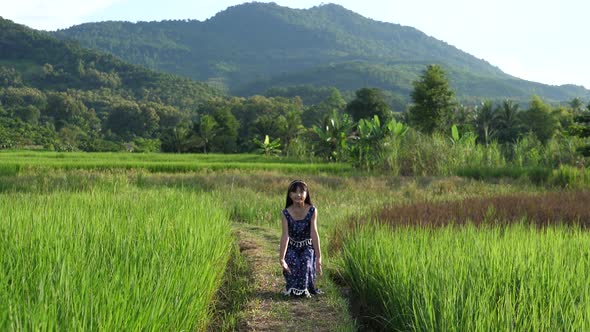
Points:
point(56, 95)
point(44, 62)
point(252, 47)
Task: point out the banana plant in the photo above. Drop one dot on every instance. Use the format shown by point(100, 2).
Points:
point(397, 129)
point(268, 147)
point(334, 136)
point(467, 138)
point(374, 139)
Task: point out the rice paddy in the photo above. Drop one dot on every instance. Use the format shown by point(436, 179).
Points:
point(130, 260)
point(11, 162)
point(471, 279)
point(104, 242)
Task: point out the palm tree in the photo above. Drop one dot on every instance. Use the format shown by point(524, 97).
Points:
point(484, 121)
point(507, 123)
point(576, 105)
point(293, 126)
point(206, 131)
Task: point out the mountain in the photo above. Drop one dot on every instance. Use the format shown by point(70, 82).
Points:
point(58, 95)
point(250, 48)
point(39, 60)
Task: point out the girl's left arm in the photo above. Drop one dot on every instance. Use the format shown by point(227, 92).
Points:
point(315, 240)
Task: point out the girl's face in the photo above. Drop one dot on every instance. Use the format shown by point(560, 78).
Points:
point(298, 196)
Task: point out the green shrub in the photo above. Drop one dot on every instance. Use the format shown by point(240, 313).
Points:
point(571, 177)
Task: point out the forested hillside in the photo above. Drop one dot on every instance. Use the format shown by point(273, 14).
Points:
point(253, 47)
point(55, 94)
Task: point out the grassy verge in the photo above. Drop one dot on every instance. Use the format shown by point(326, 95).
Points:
point(232, 296)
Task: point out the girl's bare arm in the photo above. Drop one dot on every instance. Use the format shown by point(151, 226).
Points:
point(315, 240)
point(284, 241)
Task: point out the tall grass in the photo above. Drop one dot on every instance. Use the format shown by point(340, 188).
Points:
point(549, 208)
point(471, 279)
point(564, 176)
point(418, 154)
point(437, 154)
point(110, 260)
point(571, 177)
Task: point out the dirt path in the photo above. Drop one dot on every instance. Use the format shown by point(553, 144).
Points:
point(268, 309)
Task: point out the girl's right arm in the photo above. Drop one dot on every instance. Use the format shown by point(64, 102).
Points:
point(283, 247)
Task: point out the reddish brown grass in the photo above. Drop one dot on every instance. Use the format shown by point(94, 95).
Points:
point(554, 208)
point(566, 208)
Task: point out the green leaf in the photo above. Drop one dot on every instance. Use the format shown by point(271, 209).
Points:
point(455, 133)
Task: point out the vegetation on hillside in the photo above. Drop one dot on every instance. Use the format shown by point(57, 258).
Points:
point(253, 47)
point(57, 95)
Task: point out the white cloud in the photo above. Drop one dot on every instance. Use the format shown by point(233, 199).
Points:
point(51, 14)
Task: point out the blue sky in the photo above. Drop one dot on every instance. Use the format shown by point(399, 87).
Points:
point(538, 40)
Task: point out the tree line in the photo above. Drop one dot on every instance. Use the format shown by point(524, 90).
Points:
point(363, 131)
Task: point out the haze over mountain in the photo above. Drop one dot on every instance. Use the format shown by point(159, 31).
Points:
point(252, 47)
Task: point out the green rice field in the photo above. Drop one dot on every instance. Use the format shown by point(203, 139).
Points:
point(470, 279)
point(99, 260)
point(137, 242)
point(14, 161)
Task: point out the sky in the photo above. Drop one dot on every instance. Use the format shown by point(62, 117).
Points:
point(537, 40)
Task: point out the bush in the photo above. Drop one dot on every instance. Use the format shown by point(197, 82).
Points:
point(571, 177)
point(146, 145)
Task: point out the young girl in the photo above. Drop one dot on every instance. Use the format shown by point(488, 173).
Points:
point(300, 255)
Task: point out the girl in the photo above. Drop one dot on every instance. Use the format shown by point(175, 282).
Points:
point(299, 254)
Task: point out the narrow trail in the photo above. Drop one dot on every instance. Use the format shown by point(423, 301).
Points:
point(268, 309)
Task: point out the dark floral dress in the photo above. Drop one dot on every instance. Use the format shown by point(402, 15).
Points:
point(300, 256)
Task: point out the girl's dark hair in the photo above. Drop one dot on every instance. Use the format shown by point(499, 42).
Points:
point(297, 184)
